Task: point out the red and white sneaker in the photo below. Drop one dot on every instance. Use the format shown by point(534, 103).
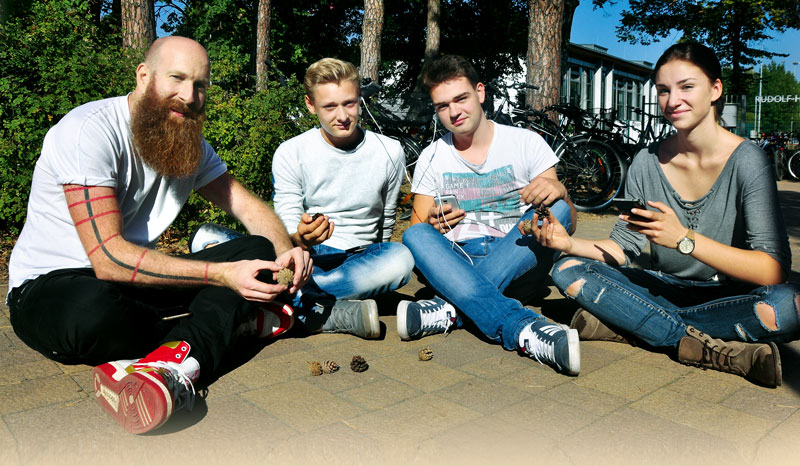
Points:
point(272, 320)
point(141, 396)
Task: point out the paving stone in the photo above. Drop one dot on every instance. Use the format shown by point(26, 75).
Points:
point(411, 421)
point(277, 369)
point(380, 394)
point(335, 444)
point(771, 406)
point(18, 355)
point(18, 373)
point(780, 445)
point(495, 367)
point(302, 405)
point(37, 393)
point(8, 446)
point(545, 418)
point(659, 360)
point(345, 379)
point(283, 346)
point(596, 355)
point(594, 401)
point(631, 437)
point(534, 379)
point(457, 353)
point(743, 429)
point(483, 396)
point(627, 379)
point(711, 386)
point(484, 441)
point(427, 376)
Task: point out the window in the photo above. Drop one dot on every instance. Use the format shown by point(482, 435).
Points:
point(576, 86)
point(627, 96)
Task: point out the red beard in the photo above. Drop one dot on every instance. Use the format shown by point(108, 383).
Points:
point(173, 147)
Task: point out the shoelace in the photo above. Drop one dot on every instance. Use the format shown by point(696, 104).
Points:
point(542, 348)
point(178, 383)
point(722, 359)
point(430, 320)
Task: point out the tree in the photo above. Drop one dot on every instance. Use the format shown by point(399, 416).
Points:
point(547, 43)
point(262, 44)
point(731, 27)
point(371, 39)
point(138, 24)
point(776, 115)
point(432, 36)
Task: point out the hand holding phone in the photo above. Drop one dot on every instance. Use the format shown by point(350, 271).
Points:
point(447, 199)
point(625, 205)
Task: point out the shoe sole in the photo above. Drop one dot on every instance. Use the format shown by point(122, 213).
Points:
point(138, 402)
point(778, 366)
point(372, 325)
point(573, 341)
point(402, 311)
point(285, 315)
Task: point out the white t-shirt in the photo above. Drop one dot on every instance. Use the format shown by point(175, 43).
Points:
point(489, 192)
point(91, 146)
point(356, 189)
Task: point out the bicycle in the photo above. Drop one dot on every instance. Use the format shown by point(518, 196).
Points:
point(793, 165)
point(592, 170)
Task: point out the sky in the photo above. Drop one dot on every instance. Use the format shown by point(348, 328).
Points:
point(590, 26)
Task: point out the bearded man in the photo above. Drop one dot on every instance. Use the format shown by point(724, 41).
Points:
point(85, 285)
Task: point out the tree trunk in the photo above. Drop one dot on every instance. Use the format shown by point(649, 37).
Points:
point(262, 45)
point(432, 39)
point(545, 60)
point(372, 28)
point(138, 24)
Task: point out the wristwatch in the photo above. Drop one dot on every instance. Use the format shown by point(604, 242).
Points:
point(686, 244)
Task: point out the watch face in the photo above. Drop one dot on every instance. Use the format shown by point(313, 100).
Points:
point(685, 246)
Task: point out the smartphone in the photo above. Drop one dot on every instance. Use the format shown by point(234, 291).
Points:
point(356, 249)
point(447, 199)
point(625, 205)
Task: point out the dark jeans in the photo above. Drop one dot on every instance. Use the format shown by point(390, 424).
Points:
point(72, 317)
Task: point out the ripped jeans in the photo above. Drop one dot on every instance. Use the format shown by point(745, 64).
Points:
point(656, 307)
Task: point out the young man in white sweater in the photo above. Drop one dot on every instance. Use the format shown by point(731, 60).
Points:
point(336, 190)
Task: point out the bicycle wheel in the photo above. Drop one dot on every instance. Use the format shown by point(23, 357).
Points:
point(780, 167)
point(794, 165)
point(592, 171)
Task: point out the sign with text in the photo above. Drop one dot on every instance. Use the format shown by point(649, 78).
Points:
point(768, 99)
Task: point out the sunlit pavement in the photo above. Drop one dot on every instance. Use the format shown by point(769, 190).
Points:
point(473, 403)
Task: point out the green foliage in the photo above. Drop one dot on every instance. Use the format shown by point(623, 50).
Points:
point(730, 27)
point(246, 129)
point(775, 116)
point(51, 61)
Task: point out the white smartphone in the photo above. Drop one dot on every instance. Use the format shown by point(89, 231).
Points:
point(447, 199)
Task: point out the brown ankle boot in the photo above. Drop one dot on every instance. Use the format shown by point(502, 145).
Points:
point(757, 362)
point(590, 328)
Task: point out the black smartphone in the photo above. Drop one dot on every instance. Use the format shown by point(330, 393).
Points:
point(356, 249)
point(625, 205)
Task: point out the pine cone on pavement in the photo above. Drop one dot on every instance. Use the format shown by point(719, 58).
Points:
point(330, 367)
point(358, 364)
point(315, 368)
point(425, 354)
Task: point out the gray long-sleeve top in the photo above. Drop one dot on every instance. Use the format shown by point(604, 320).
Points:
point(741, 209)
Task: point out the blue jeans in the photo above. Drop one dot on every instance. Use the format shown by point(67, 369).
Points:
point(476, 288)
point(380, 268)
point(656, 307)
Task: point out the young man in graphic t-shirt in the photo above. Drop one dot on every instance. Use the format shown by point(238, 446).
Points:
point(499, 175)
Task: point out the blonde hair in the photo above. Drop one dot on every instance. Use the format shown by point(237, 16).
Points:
point(329, 70)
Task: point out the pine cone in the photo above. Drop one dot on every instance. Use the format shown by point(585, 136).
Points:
point(315, 368)
point(285, 277)
point(425, 354)
point(543, 212)
point(358, 364)
point(330, 367)
point(527, 226)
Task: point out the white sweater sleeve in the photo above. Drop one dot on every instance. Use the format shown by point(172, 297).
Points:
point(396, 172)
point(288, 184)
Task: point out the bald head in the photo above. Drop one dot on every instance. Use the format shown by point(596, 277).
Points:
point(175, 68)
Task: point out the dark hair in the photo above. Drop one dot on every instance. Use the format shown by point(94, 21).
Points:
point(446, 68)
point(702, 57)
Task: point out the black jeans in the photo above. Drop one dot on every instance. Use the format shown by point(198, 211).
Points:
point(72, 317)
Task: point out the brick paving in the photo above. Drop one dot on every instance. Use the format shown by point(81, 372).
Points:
point(473, 403)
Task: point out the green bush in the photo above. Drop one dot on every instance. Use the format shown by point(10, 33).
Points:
point(51, 61)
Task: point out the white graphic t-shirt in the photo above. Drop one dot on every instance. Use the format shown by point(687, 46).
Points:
point(489, 192)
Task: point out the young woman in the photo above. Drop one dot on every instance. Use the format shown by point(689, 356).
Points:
point(720, 256)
